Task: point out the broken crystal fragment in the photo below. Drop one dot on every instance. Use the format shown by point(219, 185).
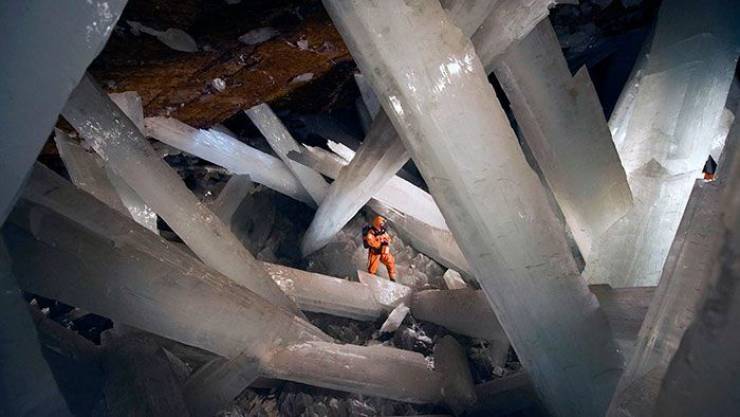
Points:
point(395, 318)
point(302, 44)
point(454, 280)
point(176, 39)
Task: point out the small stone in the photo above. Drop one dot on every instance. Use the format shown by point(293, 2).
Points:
point(218, 84)
point(302, 78)
point(257, 36)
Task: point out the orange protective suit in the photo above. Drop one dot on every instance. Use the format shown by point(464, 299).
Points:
point(379, 250)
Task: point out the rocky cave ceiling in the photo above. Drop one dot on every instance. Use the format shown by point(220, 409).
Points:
point(303, 66)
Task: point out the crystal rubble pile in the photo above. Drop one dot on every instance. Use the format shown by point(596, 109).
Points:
point(683, 85)
point(688, 275)
point(63, 227)
point(521, 252)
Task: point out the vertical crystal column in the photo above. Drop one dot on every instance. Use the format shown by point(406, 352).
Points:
point(435, 90)
point(562, 121)
point(127, 152)
point(682, 93)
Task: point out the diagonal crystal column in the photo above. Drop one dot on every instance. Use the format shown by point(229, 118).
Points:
point(135, 277)
point(127, 152)
point(562, 121)
point(668, 136)
point(228, 152)
point(381, 155)
point(231, 196)
point(511, 21)
point(435, 90)
point(379, 158)
point(282, 143)
point(88, 172)
point(50, 44)
point(61, 236)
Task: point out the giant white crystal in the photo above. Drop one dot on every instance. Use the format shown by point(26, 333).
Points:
point(37, 37)
point(562, 121)
point(435, 90)
point(668, 136)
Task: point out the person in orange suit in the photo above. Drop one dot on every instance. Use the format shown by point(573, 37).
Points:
point(377, 240)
